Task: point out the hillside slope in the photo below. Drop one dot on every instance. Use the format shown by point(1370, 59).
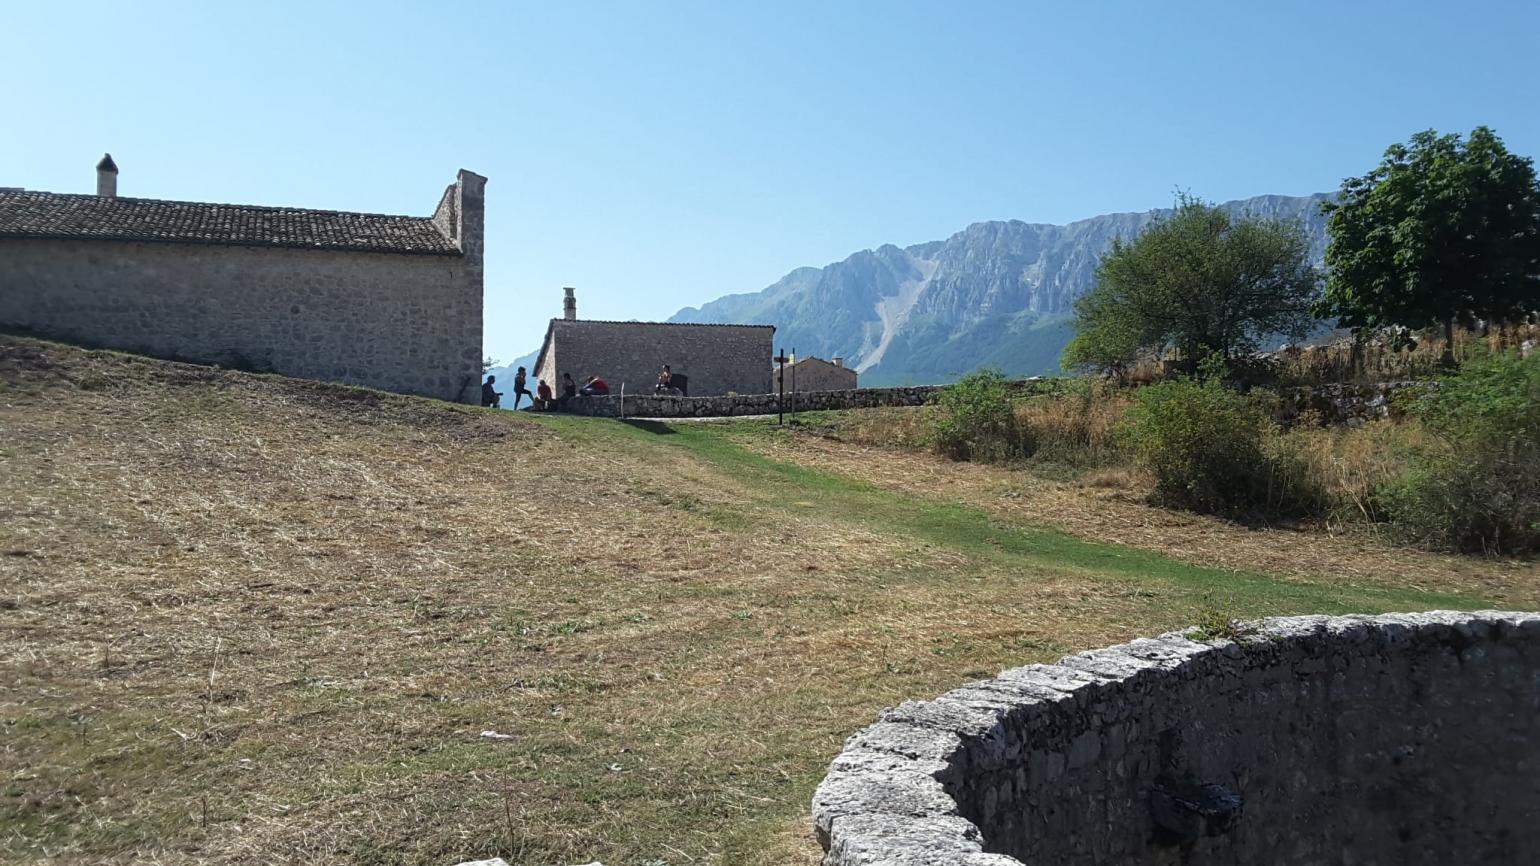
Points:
point(253, 619)
point(995, 293)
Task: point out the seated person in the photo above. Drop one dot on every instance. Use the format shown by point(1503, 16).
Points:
point(490, 397)
point(568, 390)
point(595, 387)
point(663, 381)
point(543, 399)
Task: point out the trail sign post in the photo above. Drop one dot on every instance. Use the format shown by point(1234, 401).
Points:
point(780, 400)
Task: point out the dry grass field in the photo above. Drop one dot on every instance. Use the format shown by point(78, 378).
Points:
point(250, 619)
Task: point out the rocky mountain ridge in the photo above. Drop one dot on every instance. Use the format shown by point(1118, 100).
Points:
point(996, 293)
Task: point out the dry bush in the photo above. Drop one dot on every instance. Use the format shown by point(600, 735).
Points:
point(1078, 427)
point(1347, 466)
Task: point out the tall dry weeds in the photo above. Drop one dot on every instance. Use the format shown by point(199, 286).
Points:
point(1078, 427)
point(1348, 466)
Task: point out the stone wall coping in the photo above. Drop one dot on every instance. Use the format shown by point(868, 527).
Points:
point(886, 797)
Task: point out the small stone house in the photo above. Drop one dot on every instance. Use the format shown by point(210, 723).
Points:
point(815, 374)
point(717, 359)
point(390, 302)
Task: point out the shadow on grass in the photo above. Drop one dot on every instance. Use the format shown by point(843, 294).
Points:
point(657, 428)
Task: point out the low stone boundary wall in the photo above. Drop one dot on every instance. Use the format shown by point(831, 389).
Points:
point(1404, 738)
point(651, 406)
point(1331, 404)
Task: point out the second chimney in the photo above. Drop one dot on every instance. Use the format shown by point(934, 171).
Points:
point(838, 361)
point(107, 177)
point(569, 304)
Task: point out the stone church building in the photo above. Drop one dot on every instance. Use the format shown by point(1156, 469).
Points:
point(717, 359)
point(815, 374)
point(390, 302)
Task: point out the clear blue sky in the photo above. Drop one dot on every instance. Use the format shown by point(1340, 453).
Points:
point(661, 154)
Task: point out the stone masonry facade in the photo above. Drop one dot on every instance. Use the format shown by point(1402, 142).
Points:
point(393, 303)
point(718, 359)
point(1401, 738)
point(814, 374)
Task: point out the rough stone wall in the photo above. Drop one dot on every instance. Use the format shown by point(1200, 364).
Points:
point(1396, 739)
point(405, 323)
point(814, 374)
point(1350, 405)
point(1331, 404)
point(717, 358)
point(649, 406)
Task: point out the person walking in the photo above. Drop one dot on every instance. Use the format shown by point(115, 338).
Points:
point(519, 379)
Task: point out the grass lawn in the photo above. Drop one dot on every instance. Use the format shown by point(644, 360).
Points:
point(247, 619)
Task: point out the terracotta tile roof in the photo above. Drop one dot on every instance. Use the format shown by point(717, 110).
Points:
point(25, 214)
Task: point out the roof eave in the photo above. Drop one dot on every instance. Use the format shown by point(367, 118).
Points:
point(338, 248)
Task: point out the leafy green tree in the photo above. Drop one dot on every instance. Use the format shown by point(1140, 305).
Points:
point(1442, 232)
point(1199, 282)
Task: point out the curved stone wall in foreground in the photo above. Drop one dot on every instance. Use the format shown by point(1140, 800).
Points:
point(1396, 739)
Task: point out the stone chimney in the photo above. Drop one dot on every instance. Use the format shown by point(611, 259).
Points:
point(461, 216)
point(107, 177)
point(569, 304)
point(839, 361)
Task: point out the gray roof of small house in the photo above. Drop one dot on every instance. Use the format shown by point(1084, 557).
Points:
point(25, 214)
point(550, 329)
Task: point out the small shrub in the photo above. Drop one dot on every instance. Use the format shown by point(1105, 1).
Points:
point(1215, 624)
point(1476, 486)
point(1215, 451)
point(975, 420)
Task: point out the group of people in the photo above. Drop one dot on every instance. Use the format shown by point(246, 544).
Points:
point(542, 400)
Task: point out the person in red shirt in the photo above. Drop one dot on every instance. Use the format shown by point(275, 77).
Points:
point(595, 387)
point(543, 400)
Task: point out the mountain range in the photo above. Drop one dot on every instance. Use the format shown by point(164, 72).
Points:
point(994, 294)
point(997, 293)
